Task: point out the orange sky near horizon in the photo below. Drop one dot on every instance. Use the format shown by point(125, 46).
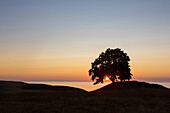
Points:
point(45, 67)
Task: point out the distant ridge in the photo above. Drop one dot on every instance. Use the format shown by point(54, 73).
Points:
point(15, 85)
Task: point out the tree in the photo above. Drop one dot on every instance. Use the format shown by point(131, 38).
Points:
point(112, 63)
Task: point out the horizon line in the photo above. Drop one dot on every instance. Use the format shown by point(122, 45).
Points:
point(135, 79)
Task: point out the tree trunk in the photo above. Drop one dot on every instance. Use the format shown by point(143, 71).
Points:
point(112, 79)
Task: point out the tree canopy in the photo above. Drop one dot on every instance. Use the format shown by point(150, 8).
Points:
point(112, 63)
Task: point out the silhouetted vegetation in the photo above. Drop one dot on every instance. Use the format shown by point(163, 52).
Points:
point(112, 63)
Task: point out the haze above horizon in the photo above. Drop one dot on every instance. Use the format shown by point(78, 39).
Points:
point(58, 40)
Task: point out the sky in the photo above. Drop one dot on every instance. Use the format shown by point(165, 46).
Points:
point(58, 39)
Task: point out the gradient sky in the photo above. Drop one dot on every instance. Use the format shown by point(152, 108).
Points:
point(58, 39)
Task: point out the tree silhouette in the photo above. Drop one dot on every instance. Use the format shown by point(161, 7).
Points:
point(112, 63)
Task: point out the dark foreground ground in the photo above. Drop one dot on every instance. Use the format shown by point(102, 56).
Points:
point(129, 97)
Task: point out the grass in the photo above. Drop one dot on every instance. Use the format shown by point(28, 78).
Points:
point(134, 100)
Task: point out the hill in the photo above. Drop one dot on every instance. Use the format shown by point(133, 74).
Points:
point(19, 86)
point(130, 85)
point(133, 89)
point(127, 97)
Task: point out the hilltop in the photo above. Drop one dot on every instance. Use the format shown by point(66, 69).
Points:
point(130, 85)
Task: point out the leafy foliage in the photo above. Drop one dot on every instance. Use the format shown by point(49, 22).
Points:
point(112, 63)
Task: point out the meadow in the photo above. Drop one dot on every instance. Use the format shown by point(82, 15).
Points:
point(18, 97)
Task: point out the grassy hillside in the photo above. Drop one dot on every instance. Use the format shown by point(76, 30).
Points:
point(129, 97)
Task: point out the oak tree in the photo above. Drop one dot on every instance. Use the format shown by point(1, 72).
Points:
point(112, 63)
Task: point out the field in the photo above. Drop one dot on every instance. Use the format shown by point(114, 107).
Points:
point(26, 98)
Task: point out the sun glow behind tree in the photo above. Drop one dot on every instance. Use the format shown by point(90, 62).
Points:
point(107, 78)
